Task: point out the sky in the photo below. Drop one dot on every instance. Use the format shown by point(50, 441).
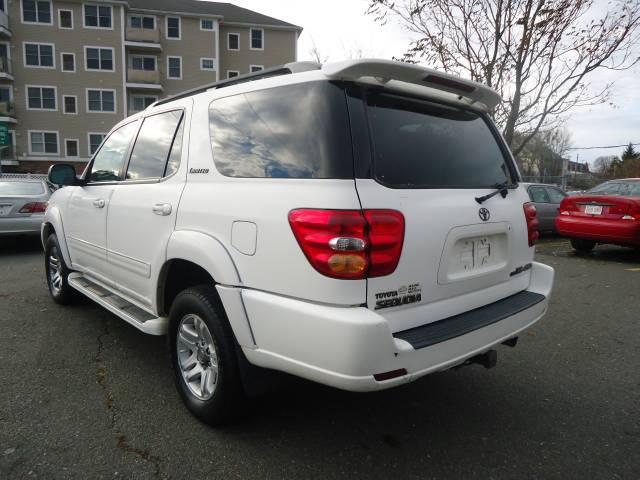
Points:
point(339, 28)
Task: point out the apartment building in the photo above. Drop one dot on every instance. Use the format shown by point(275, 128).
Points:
point(70, 70)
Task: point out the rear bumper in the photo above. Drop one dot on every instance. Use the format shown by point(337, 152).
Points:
point(624, 232)
point(20, 226)
point(345, 347)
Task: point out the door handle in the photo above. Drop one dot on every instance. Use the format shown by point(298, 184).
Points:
point(99, 203)
point(163, 209)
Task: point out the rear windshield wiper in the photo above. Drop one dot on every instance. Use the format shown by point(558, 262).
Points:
point(501, 188)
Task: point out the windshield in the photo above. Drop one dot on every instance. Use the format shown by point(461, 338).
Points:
point(21, 188)
point(425, 145)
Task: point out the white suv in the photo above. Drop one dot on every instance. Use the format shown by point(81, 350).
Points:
point(358, 224)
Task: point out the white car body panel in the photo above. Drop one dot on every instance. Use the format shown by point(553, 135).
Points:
point(284, 314)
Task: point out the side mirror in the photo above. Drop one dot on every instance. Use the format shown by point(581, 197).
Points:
point(63, 174)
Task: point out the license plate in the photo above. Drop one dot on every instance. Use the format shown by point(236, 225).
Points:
point(475, 253)
point(593, 210)
point(4, 210)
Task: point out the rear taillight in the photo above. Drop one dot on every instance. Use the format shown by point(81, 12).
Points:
point(34, 207)
point(350, 244)
point(531, 215)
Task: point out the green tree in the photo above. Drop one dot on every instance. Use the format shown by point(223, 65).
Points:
point(630, 153)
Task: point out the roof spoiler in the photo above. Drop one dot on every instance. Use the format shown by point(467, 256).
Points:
point(387, 70)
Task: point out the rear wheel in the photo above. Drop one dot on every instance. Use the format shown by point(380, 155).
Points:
point(204, 357)
point(581, 246)
point(57, 273)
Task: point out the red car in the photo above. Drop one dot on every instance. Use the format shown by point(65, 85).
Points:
point(609, 213)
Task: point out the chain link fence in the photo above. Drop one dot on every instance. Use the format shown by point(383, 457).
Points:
point(18, 176)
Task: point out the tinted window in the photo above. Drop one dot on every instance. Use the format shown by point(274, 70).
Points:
point(538, 195)
point(297, 131)
point(606, 189)
point(555, 195)
point(21, 188)
point(422, 145)
point(109, 160)
point(154, 146)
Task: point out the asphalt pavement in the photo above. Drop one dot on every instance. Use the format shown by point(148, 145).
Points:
point(84, 395)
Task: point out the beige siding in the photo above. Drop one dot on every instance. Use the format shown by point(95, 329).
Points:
point(194, 44)
point(279, 48)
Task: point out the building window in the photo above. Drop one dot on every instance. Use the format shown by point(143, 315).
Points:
point(43, 142)
point(101, 101)
point(68, 62)
point(141, 102)
point(256, 68)
point(147, 23)
point(36, 11)
point(208, 64)
point(140, 62)
point(95, 139)
point(5, 95)
point(70, 104)
point(233, 41)
point(98, 16)
point(39, 55)
point(173, 27)
point(232, 73)
point(2, 7)
point(99, 58)
point(71, 147)
point(41, 98)
point(174, 68)
point(257, 39)
point(65, 19)
point(206, 24)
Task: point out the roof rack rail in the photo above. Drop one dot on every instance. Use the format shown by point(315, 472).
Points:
point(286, 69)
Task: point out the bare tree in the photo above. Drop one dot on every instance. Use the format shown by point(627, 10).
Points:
point(604, 165)
point(539, 55)
point(316, 54)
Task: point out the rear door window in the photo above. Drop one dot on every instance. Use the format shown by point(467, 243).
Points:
point(159, 143)
point(555, 195)
point(21, 188)
point(420, 144)
point(539, 195)
point(297, 131)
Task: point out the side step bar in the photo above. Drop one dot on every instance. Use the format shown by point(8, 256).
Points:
point(117, 305)
point(442, 330)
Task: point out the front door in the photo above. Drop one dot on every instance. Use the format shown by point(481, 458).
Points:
point(86, 221)
point(143, 208)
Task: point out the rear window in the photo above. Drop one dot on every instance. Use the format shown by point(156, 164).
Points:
point(21, 188)
point(425, 145)
point(297, 131)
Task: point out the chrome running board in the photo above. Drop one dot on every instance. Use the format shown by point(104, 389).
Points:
point(130, 313)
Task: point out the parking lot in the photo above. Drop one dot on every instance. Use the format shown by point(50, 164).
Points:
point(84, 395)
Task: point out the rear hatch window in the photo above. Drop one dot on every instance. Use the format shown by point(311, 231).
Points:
point(21, 188)
point(424, 145)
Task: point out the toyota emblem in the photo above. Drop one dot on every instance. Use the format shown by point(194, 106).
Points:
point(484, 214)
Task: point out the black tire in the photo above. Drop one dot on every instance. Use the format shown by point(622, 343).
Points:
point(581, 246)
point(57, 278)
point(227, 396)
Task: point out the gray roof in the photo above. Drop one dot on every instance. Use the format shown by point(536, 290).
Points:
point(230, 13)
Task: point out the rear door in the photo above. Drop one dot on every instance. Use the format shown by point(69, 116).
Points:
point(431, 162)
point(547, 210)
point(142, 211)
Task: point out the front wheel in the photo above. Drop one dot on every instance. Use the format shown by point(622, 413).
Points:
point(581, 246)
point(57, 273)
point(204, 357)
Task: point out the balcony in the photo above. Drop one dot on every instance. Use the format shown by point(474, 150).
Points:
point(5, 69)
point(7, 109)
point(143, 38)
point(143, 79)
point(4, 25)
